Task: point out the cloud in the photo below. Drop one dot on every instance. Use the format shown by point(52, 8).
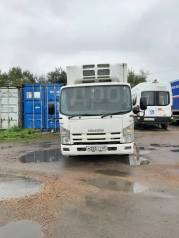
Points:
point(40, 35)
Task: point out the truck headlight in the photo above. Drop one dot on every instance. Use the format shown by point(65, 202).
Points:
point(128, 133)
point(64, 136)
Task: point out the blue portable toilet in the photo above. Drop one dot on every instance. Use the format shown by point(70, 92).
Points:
point(40, 106)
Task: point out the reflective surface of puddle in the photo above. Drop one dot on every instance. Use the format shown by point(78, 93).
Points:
point(112, 172)
point(177, 150)
point(42, 156)
point(21, 229)
point(117, 185)
point(165, 145)
point(17, 187)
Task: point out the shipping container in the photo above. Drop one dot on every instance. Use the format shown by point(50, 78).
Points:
point(9, 107)
point(40, 106)
point(175, 106)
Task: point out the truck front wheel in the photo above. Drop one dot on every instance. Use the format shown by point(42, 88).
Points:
point(164, 126)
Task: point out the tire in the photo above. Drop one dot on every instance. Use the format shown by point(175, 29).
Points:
point(164, 126)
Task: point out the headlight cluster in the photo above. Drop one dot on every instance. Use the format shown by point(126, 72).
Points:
point(64, 136)
point(128, 133)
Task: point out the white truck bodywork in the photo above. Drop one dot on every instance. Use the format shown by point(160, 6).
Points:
point(159, 101)
point(95, 134)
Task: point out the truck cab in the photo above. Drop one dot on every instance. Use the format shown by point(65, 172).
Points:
point(96, 111)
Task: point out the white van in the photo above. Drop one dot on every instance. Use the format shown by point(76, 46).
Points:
point(159, 101)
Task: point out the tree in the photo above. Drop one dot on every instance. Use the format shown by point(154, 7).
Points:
point(57, 76)
point(28, 77)
point(41, 79)
point(15, 77)
point(135, 79)
point(3, 79)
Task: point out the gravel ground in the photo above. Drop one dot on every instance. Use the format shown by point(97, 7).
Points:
point(96, 196)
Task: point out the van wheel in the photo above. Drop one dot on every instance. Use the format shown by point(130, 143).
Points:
point(164, 126)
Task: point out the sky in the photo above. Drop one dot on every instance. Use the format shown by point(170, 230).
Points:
point(43, 34)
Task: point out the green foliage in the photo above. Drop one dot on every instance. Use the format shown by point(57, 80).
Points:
point(135, 79)
point(28, 77)
point(57, 76)
point(16, 77)
point(3, 79)
point(41, 79)
point(18, 133)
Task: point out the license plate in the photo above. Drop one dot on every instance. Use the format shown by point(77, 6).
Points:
point(149, 119)
point(96, 148)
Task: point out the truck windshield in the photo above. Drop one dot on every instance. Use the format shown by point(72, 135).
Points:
point(96, 100)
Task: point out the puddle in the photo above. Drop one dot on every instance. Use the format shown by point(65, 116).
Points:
point(18, 187)
point(117, 185)
point(175, 150)
point(42, 156)
point(165, 145)
point(143, 148)
point(112, 172)
point(144, 152)
point(21, 229)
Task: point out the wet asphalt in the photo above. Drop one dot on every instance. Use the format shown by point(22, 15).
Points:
point(91, 197)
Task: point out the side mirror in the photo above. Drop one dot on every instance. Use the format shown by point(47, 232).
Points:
point(143, 103)
point(136, 110)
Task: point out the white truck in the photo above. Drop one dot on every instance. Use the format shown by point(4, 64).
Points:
point(159, 101)
point(96, 111)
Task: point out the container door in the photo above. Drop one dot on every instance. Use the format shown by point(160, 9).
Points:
point(9, 108)
point(33, 106)
point(52, 106)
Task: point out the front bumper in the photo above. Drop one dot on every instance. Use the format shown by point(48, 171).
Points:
point(153, 120)
point(112, 149)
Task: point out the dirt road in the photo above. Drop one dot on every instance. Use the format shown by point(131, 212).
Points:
point(90, 197)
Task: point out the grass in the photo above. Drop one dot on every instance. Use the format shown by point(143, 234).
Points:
point(18, 133)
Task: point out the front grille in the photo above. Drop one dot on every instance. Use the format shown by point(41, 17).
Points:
point(95, 134)
point(97, 143)
point(96, 138)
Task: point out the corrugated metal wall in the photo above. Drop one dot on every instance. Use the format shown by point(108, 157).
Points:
point(175, 92)
point(9, 107)
point(40, 106)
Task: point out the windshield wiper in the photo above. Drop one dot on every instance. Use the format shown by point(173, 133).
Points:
point(81, 115)
point(113, 113)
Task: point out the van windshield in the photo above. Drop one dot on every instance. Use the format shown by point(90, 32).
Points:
point(95, 100)
point(157, 98)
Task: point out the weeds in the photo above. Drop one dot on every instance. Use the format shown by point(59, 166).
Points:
point(18, 133)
